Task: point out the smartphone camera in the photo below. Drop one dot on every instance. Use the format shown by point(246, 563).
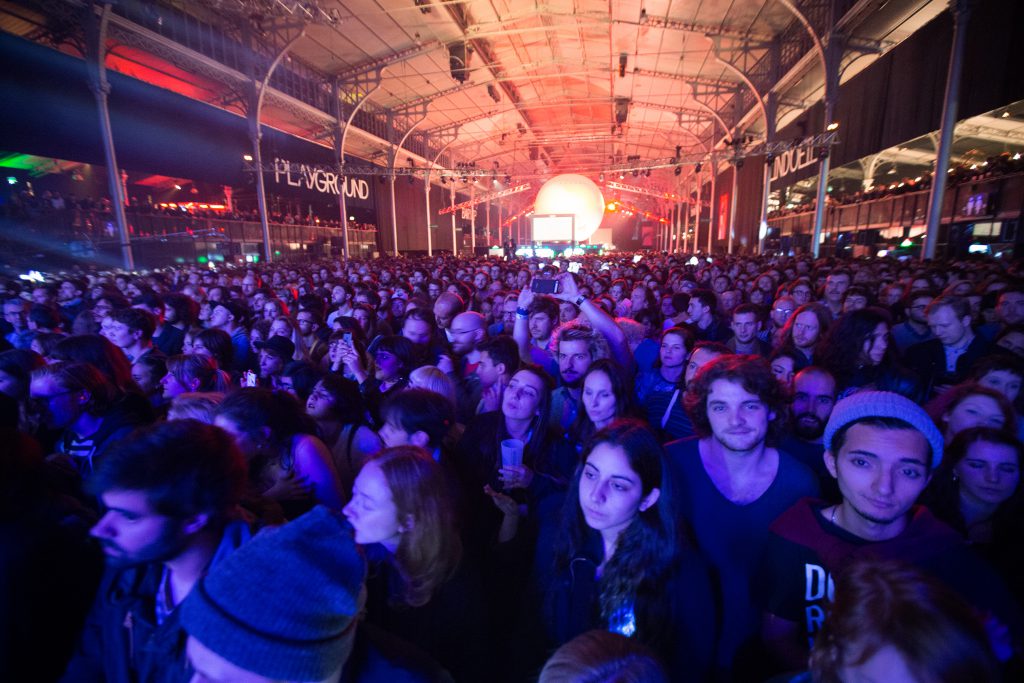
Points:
point(544, 286)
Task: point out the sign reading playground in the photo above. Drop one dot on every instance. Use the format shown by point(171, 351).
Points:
point(313, 178)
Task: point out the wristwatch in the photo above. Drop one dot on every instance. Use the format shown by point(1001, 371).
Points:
point(579, 301)
point(522, 313)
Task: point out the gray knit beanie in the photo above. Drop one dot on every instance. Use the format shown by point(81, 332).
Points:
point(286, 604)
point(864, 404)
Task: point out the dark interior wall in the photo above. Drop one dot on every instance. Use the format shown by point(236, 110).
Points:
point(49, 111)
point(900, 96)
point(748, 205)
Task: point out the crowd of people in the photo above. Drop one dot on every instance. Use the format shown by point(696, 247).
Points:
point(68, 216)
point(963, 172)
point(468, 469)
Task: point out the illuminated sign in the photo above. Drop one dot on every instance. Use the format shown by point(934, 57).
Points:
point(792, 161)
point(317, 179)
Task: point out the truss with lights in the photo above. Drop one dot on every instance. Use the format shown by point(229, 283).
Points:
point(485, 198)
point(296, 168)
point(303, 10)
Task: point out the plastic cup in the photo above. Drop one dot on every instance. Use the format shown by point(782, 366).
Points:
point(511, 452)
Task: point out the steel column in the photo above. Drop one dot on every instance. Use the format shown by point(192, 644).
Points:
point(259, 90)
point(712, 209)
point(455, 247)
point(341, 159)
point(96, 35)
point(961, 10)
point(732, 205)
point(472, 220)
point(426, 188)
point(833, 55)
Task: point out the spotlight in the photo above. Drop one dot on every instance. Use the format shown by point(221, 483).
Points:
point(493, 92)
point(1005, 114)
point(635, 173)
point(177, 187)
point(246, 157)
point(622, 176)
point(696, 169)
point(677, 170)
point(622, 64)
point(832, 126)
point(508, 180)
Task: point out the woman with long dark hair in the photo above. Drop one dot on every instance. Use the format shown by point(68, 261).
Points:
point(606, 397)
point(497, 494)
point(418, 587)
point(341, 421)
point(393, 360)
point(857, 351)
point(216, 344)
point(287, 463)
point(620, 562)
point(977, 491)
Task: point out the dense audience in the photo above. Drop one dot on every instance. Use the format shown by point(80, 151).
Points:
point(459, 469)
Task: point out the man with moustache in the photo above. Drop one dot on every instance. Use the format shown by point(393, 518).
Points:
point(170, 495)
point(814, 395)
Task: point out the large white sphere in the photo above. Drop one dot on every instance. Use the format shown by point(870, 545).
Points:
point(573, 194)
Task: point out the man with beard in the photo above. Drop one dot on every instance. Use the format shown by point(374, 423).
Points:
point(732, 483)
point(914, 329)
point(468, 330)
point(578, 347)
point(170, 495)
point(814, 395)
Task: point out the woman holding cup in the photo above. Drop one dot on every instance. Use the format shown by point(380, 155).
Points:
point(509, 459)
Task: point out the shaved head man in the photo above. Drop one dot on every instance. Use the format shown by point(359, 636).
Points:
point(446, 307)
point(467, 331)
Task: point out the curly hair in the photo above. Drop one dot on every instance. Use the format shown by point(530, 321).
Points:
point(752, 373)
point(842, 348)
point(820, 312)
